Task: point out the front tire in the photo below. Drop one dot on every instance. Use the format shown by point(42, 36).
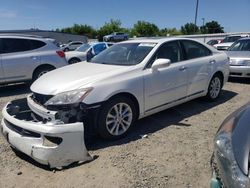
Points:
point(214, 88)
point(116, 118)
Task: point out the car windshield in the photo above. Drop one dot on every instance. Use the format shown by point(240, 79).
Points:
point(241, 45)
point(124, 54)
point(83, 48)
point(231, 39)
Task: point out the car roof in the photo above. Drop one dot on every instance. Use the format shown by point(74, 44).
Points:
point(245, 35)
point(245, 38)
point(32, 37)
point(157, 40)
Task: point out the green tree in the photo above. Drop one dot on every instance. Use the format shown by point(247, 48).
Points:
point(169, 32)
point(80, 29)
point(213, 27)
point(109, 27)
point(189, 29)
point(144, 29)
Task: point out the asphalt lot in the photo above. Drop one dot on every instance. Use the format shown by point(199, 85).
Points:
point(175, 153)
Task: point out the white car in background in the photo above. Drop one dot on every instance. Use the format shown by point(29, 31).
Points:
point(86, 52)
point(71, 46)
point(25, 58)
point(126, 82)
point(228, 41)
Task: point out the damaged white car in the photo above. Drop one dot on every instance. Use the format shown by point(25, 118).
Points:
point(126, 82)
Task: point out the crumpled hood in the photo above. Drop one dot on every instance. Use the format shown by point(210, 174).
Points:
point(74, 76)
point(238, 54)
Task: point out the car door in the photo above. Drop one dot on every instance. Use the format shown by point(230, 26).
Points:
point(199, 60)
point(1, 66)
point(18, 60)
point(165, 86)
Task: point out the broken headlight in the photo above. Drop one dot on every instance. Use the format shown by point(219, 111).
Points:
point(69, 97)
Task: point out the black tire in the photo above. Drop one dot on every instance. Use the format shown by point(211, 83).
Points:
point(74, 60)
point(104, 128)
point(214, 88)
point(66, 50)
point(40, 71)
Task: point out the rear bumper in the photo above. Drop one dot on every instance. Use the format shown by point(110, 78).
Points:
point(51, 143)
point(239, 71)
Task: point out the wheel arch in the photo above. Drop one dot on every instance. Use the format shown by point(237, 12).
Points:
point(77, 58)
point(41, 67)
point(220, 74)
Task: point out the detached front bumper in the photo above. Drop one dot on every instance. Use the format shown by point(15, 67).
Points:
point(52, 142)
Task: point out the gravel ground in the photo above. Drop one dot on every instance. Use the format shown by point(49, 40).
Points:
point(175, 153)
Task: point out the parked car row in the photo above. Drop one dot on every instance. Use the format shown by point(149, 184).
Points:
point(86, 52)
point(224, 44)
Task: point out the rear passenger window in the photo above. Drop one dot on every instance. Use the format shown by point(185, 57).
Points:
point(36, 44)
point(15, 45)
point(195, 50)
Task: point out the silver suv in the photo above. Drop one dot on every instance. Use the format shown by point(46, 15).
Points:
point(25, 58)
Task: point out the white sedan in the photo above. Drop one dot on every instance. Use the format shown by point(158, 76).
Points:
point(86, 52)
point(126, 82)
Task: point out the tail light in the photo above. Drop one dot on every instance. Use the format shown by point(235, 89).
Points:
point(61, 53)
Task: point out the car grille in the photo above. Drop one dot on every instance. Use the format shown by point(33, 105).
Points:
point(235, 73)
point(41, 99)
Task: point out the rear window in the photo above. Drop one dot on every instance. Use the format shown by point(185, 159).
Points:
point(231, 39)
point(240, 45)
point(35, 44)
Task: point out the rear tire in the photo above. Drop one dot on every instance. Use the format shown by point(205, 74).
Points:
point(116, 118)
point(66, 50)
point(214, 88)
point(41, 71)
point(74, 60)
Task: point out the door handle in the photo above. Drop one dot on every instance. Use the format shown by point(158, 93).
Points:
point(33, 57)
point(212, 62)
point(182, 68)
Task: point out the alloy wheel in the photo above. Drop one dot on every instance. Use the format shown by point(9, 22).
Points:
point(119, 119)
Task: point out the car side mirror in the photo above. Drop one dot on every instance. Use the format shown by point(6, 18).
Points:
point(161, 63)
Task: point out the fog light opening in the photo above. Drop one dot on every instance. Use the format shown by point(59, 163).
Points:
point(51, 141)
